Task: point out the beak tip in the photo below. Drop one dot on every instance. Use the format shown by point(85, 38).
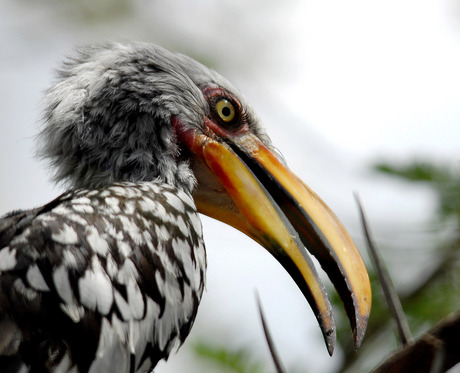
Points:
point(330, 336)
point(359, 331)
point(330, 342)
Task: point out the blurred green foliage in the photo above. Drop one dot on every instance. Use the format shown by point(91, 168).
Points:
point(444, 180)
point(90, 11)
point(431, 299)
point(226, 361)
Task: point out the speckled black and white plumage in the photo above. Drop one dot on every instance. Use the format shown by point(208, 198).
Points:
point(124, 264)
point(108, 277)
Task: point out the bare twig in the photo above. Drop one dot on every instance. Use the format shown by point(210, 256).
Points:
point(434, 352)
point(275, 356)
point(389, 291)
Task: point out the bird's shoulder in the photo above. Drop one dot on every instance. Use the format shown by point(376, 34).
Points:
point(146, 226)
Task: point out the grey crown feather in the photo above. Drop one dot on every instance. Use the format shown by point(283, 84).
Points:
point(108, 116)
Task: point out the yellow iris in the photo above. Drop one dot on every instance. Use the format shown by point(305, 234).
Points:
point(225, 110)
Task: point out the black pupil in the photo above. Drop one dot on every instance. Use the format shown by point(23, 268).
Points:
point(226, 111)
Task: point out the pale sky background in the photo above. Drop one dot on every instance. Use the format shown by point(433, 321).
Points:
point(339, 85)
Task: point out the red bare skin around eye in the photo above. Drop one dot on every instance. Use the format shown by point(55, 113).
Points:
point(215, 130)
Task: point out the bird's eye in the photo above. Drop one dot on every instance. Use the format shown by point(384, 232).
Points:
point(225, 110)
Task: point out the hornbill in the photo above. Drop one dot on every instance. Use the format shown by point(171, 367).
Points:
point(109, 275)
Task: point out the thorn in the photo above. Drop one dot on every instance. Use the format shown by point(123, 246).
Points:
point(275, 356)
point(389, 291)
